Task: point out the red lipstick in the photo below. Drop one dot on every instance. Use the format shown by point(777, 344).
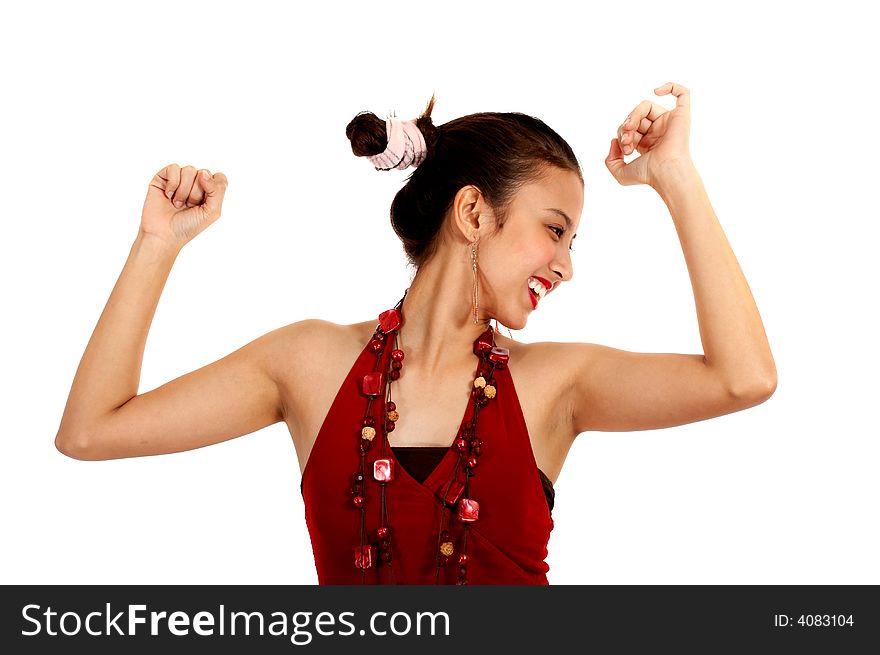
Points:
point(547, 284)
point(533, 297)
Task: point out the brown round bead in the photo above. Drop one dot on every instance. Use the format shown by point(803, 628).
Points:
point(394, 375)
point(376, 345)
point(444, 536)
point(483, 402)
point(385, 544)
point(386, 556)
point(356, 489)
point(442, 560)
point(365, 445)
point(390, 406)
point(389, 426)
point(370, 420)
point(396, 365)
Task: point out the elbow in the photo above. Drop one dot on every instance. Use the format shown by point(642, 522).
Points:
point(756, 391)
point(771, 386)
point(75, 447)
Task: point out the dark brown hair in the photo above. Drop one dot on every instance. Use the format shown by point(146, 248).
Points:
point(496, 152)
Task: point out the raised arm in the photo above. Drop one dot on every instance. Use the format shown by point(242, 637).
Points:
point(618, 390)
point(104, 417)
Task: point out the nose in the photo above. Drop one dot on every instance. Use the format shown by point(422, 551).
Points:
point(563, 267)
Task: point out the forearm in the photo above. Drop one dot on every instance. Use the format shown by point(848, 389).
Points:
point(109, 372)
point(734, 341)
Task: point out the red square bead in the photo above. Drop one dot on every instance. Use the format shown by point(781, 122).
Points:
point(364, 556)
point(453, 493)
point(468, 510)
point(389, 320)
point(374, 384)
point(383, 470)
point(483, 344)
point(499, 357)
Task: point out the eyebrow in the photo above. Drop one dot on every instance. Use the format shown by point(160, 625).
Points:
point(567, 218)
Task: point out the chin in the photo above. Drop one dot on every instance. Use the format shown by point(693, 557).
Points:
point(517, 323)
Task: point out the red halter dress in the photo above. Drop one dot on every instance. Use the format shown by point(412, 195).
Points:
point(507, 544)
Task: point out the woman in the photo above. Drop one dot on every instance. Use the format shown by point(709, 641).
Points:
point(397, 487)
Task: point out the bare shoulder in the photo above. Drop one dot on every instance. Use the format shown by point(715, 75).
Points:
point(542, 369)
point(311, 338)
point(556, 364)
point(312, 343)
point(543, 358)
point(309, 356)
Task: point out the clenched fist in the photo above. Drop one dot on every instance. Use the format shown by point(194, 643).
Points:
point(181, 202)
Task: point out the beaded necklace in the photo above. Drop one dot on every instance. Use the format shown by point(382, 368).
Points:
point(458, 508)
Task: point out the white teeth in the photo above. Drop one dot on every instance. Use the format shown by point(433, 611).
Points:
point(539, 288)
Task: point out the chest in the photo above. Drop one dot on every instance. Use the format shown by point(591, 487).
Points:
point(431, 408)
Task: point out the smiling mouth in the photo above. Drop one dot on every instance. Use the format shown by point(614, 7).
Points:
point(538, 289)
point(534, 298)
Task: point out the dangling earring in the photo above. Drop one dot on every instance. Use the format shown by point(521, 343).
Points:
point(476, 283)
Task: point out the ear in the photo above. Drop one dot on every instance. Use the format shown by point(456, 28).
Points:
point(470, 213)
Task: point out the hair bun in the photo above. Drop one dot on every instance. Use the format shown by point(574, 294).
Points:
point(367, 135)
point(393, 143)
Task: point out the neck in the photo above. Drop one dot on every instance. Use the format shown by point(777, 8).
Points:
point(438, 330)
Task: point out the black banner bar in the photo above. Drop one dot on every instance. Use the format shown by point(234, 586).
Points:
point(286, 619)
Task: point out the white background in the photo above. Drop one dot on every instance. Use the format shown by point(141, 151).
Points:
point(97, 97)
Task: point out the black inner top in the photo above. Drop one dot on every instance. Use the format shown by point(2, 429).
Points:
point(419, 461)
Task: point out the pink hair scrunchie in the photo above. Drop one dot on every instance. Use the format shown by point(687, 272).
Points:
point(406, 146)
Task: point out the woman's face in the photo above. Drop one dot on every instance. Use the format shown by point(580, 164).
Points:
point(535, 242)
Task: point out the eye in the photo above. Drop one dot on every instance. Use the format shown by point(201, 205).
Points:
point(558, 231)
